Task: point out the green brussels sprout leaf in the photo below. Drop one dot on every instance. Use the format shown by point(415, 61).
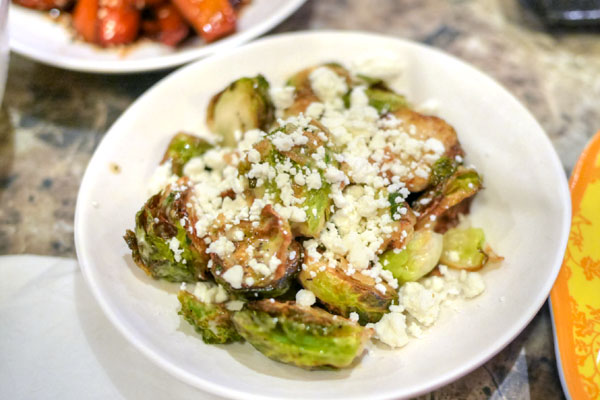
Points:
point(212, 321)
point(244, 105)
point(307, 337)
point(420, 256)
point(466, 249)
point(160, 245)
point(182, 148)
point(343, 294)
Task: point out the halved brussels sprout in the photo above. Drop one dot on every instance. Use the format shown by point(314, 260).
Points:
point(182, 148)
point(307, 337)
point(264, 259)
point(315, 202)
point(212, 321)
point(462, 185)
point(466, 249)
point(421, 255)
point(343, 294)
point(244, 105)
point(304, 94)
point(160, 245)
point(424, 127)
point(301, 82)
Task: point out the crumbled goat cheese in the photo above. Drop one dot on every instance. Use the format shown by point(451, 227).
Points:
point(174, 247)
point(391, 329)
point(326, 84)
point(210, 293)
point(419, 302)
point(234, 276)
point(305, 298)
point(283, 97)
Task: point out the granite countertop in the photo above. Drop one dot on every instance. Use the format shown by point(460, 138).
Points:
point(52, 120)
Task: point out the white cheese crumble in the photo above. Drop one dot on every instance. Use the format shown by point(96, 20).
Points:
point(282, 97)
point(234, 276)
point(326, 84)
point(174, 247)
point(305, 298)
point(391, 329)
point(208, 292)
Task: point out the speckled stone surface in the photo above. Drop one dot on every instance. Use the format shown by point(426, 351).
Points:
point(52, 120)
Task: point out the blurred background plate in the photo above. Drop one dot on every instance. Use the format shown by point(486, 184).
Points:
point(53, 43)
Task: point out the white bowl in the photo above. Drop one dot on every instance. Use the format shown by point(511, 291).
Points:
point(525, 211)
point(53, 43)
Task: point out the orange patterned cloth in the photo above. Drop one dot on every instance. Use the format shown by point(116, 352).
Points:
point(575, 297)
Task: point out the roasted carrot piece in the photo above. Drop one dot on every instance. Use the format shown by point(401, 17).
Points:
point(44, 5)
point(118, 22)
point(85, 19)
point(212, 19)
point(169, 27)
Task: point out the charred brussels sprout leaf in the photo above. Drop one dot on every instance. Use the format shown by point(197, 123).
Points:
point(212, 321)
point(263, 263)
point(160, 245)
point(182, 148)
point(244, 105)
point(385, 101)
point(343, 294)
point(420, 256)
point(303, 336)
point(435, 202)
point(466, 249)
point(441, 170)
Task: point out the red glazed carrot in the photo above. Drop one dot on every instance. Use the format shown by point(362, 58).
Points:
point(44, 4)
point(118, 22)
point(85, 19)
point(169, 26)
point(212, 19)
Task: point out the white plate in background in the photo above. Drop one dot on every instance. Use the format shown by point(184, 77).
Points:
point(524, 210)
point(53, 43)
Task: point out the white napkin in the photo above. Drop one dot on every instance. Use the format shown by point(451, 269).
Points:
point(55, 342)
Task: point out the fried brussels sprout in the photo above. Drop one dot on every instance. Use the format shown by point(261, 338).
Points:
point(244, 105)
point(435, 202)
point(423, 127)
point(182, 148)
point(161, 245)
point(307, 337)
point(343, 294)
point(304, 94)
point(263, 260)
point(212, 321)
point(466, 249)
point(420, 256)
point(297, 161)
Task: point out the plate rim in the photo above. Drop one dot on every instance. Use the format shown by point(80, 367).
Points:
point(156, 63)
point(502, 341)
